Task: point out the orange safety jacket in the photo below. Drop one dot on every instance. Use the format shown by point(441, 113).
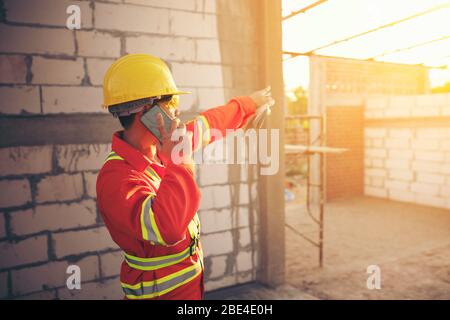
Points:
point(151, 211)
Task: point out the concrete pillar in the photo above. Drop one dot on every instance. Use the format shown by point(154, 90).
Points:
point(271, 188)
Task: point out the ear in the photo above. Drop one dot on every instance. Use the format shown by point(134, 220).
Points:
point(139, 114)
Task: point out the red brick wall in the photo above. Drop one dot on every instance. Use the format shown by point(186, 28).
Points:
point(345, 172)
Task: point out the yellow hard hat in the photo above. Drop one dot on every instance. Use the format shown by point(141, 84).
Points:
point(137, 77)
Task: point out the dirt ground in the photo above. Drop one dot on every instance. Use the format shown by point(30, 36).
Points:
point(410, 244)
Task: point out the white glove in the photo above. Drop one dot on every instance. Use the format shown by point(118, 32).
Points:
point(263, 100)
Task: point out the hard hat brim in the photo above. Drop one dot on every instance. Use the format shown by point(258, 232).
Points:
point(181, 92)
point(171, 94)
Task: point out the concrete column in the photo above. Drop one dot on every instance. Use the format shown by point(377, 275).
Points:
point(271, 188)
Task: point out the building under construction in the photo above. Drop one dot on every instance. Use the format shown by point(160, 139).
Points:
point(374, 142)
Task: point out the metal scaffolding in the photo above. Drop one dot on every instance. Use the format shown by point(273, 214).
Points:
point(316, 147)
point(303, 10)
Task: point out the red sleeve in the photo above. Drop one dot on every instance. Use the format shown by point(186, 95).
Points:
point(232, 115)
point(176, 202)
point(129, 204)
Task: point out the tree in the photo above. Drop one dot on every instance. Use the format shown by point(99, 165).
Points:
point(297, 104)
point(442, 89)
point(297, 101)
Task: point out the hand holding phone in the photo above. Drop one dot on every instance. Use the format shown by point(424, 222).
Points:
point(175, 143)
point(149, 119)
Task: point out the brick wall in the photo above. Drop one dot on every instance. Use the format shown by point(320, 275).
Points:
point(345, 172)
point(49, 220)
point(407, 149)
point(339, 88)
point(229, 223)
point(55, 136)
point(359, 77)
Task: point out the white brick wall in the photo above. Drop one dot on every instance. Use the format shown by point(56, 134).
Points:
point(54, 217)
point(2, 226)
point(213, 174)
point(407, 106)
point(106, 290)
point(214, 221)
point(184, 33)
point(218, 266)
point(41, 295)
point(14, 193)
point(189, 5)
point(410, 163)
point(22, 160)
point(90, 181)
point(245, 237)
point(199, 75)
point(59, 188)
point(25, 280)
point(97, 44)
point(23, 252)
point(13, 69)
point(74, 242)
point(244, 261)
point(168, 48)
point(96, 69)
point(131, 18)
point(46, 12)
point(226, 281)
point(111, 263)
point(19, 99)
point(217, 243)
point(57, 71)
point(215, 197)
point(208, 97)
point(3, 285)
point(72, 99)
point(48, 215)
point(198, 25)
point(73, 158)
point(208, 50)
point(34, 40)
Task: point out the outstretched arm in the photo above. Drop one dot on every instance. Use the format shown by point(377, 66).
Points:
point(233, 115)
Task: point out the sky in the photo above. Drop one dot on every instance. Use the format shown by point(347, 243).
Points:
point(422, 36)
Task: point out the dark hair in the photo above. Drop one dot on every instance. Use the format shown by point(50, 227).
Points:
point(126, 121)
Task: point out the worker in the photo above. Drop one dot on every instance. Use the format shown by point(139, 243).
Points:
point(148, 201)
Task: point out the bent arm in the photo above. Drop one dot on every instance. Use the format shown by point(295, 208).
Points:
point(161, 218)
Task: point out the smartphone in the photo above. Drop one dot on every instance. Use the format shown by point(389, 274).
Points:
point(150, 122)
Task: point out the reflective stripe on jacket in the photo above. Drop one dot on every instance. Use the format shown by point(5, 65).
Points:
point(151, 211)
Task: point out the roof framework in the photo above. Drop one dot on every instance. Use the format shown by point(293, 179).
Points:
point(417, 33)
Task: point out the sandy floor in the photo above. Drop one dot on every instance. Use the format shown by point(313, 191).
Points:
point(411, 245)
point(255, 291)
